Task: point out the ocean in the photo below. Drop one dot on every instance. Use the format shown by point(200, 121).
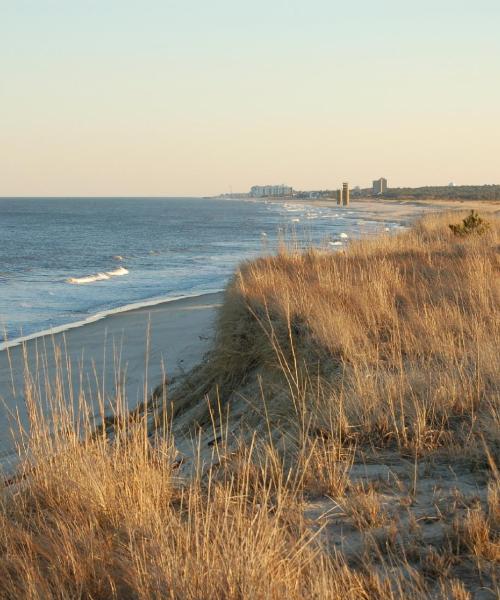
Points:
point(65, 261)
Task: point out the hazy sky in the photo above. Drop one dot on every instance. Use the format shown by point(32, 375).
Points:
point(188, 97)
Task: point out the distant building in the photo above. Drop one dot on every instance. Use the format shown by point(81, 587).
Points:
point(339, 197)
point(451, 184)
point(345, 194)
point(263, 191)
point(379, 186)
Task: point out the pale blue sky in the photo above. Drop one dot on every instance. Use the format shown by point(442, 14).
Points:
point(188, 97)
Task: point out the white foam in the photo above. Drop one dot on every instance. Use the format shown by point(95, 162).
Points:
point(88, 278)
point(295, 220)
point(344, 235)
point(98, 276)
point(294, 207)
point(335, 243)
point(117, 272)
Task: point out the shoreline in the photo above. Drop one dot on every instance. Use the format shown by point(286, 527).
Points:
point(180, 328)
point(125, 355)
point(397, 210)
point(384, 210)
point(99, 316)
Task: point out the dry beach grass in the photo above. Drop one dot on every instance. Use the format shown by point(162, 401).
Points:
point(341, 440)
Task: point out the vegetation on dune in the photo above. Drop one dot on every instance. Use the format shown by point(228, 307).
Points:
point(340, 441)
point(471, 225)
point(393, 341)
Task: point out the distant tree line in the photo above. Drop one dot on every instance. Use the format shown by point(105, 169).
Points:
point(457, 192)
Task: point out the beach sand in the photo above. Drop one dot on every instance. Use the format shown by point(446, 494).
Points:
point(401, 211)
point(114, 347)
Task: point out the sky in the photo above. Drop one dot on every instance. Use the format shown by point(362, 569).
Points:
point(199, 97)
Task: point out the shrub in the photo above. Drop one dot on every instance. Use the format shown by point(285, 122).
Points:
point(473, 224)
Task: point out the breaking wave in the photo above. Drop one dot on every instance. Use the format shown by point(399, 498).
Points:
point(98, 276)
point(117, 272)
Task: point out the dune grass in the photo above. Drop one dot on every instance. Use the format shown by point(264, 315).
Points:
point(395, 340)
point(340, 441)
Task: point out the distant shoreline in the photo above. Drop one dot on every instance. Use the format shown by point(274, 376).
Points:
point(404, 211)
point(375, 209)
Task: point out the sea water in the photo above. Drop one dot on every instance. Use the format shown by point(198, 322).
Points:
point(68, 260)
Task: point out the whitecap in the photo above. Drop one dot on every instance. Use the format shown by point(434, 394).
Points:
point(117, 272)
point(98, 276)
point(335, 243)
point(343, 235)
point(88, 278)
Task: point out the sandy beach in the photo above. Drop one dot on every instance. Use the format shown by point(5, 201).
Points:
point(403, 211)
point(114, 347)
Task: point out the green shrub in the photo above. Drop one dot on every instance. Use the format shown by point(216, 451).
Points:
point(473, 224)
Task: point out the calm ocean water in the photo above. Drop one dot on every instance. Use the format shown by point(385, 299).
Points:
point(66, 260)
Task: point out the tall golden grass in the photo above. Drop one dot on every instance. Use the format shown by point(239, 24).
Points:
point(320, 359)
point(394, 340)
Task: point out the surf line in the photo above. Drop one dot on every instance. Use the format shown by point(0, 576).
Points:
point(98, 276)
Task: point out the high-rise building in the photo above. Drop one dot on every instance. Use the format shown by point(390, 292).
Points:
point(379, 186)
point(261, 191)
point(339, 197)
point(345, 194)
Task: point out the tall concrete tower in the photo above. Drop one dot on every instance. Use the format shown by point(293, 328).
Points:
point(345, 194)
point(339, 197)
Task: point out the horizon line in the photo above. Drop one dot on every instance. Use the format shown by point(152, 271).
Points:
point(187, 196)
